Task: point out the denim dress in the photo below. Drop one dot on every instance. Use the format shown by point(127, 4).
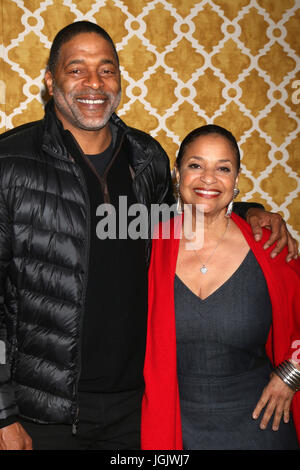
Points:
point(222, 364)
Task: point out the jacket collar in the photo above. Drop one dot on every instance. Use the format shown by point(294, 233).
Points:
point(54, 138)
point(54, 135)
point(53, 131)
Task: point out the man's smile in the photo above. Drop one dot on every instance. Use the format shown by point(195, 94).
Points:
point(90, 101)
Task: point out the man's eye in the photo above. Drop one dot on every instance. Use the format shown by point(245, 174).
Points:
point(107, 72)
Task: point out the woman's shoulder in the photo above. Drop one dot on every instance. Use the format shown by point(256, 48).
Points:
point(279, 262)
point(168, 229)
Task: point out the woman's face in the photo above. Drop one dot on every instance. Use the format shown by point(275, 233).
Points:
point(208, 173)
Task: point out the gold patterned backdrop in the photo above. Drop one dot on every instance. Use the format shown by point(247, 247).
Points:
point(184, 63)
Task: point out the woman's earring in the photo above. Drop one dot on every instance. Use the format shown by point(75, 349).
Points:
point(236, 192)
point(178, 197)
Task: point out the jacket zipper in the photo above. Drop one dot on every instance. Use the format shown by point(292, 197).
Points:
point(106, 198)
point(80, 176)
point(102, 179)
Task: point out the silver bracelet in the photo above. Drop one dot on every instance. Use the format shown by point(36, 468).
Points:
point(289, 374)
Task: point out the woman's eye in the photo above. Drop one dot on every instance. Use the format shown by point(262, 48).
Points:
point(194, 165)
point(224, 169)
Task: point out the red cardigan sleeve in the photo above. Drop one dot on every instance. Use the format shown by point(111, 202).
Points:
point(283, 280)
point(161, 423)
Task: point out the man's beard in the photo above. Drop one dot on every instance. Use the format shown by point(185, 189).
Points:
point(72, 113)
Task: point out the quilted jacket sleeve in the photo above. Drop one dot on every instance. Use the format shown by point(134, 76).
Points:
point(166, 195)
point(7, 400)
point(241, 208)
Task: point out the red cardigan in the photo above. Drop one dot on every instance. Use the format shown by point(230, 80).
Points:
point(161, 424)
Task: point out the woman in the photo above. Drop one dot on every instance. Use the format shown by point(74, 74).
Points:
point(236, 313)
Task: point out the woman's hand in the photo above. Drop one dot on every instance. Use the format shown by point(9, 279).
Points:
point(277, 398)
point(259, 218)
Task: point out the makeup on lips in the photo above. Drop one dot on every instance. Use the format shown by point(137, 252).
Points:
point(207, 193)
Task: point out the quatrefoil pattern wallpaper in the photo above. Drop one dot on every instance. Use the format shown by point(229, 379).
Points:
point(184, 63)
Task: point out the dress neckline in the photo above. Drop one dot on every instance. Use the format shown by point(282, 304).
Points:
point(218, 289)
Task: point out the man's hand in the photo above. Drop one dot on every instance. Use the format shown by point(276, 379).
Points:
point(14, 437)
point(259, 218)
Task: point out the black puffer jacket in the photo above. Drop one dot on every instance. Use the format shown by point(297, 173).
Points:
point(44, 261)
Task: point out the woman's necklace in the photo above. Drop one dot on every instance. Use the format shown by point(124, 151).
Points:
point(204, 268)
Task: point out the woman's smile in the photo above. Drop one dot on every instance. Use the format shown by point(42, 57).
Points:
point(207, 193)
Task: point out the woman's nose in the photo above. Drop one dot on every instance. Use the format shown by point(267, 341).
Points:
point(208, 175)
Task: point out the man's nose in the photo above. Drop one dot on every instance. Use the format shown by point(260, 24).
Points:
point(93, 80)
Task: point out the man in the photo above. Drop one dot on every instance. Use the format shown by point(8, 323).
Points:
point(74, 307)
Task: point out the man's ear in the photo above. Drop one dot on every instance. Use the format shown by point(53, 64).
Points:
point(49, 82)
